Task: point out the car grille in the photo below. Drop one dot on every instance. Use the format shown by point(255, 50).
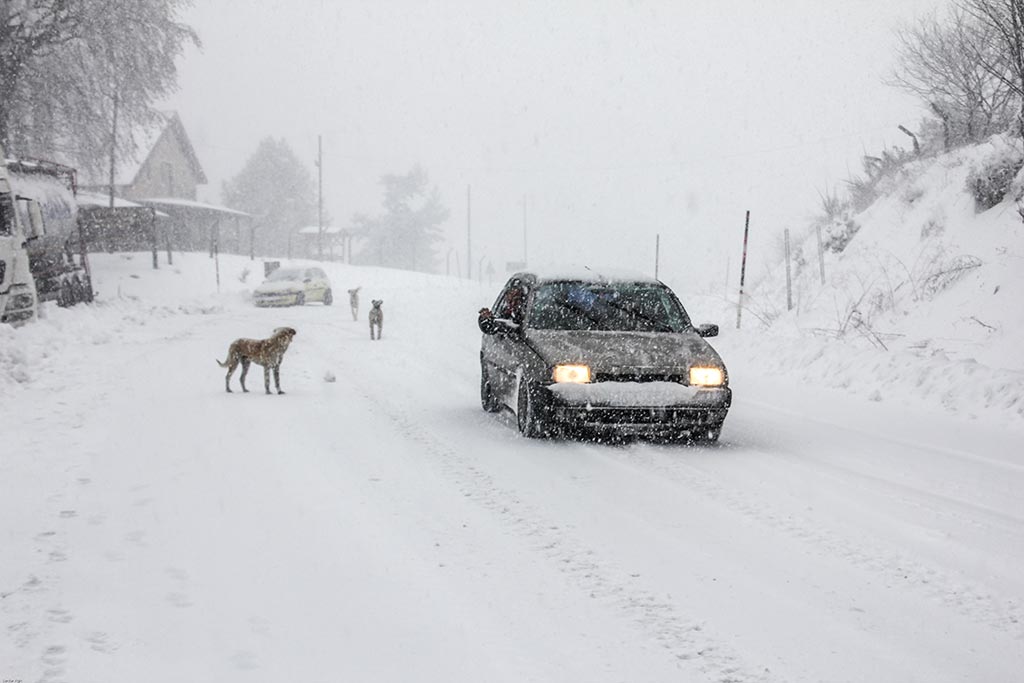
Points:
point(665, 417)
point(641, 377)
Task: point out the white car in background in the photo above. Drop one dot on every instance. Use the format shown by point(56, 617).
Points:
point(294, 287)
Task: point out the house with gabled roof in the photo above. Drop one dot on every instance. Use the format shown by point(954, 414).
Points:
point(164, 164)
point(163, 173)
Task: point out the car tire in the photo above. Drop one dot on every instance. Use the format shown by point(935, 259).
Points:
point(328, 298)
point(300, 299)
point(488, 401)
point(531, 412)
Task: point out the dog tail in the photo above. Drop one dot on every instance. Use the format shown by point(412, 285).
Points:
point(223, 365)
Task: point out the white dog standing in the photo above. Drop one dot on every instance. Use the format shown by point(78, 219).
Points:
point(376, 317)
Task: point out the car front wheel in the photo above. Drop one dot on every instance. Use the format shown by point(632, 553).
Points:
point(532, 412)
point(488, 401)
point(328, 298)
point(300, 299)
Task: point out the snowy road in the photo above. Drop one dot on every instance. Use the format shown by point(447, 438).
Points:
point(383, 528)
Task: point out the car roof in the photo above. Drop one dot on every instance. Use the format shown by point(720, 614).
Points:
point(587, 274)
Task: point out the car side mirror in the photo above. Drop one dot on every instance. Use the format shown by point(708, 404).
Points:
point(490, 325)
point(707, 330)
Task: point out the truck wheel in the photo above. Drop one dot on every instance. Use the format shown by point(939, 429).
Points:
point(66, 295)
point(78, 292)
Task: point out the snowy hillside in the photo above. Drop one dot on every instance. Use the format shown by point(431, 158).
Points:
point(924, 306)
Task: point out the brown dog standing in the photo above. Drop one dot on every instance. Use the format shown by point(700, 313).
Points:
point(266, 352)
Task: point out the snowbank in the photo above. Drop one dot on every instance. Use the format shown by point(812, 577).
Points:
point(923, 307)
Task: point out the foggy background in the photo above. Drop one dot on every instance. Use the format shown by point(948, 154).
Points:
point(615, 120)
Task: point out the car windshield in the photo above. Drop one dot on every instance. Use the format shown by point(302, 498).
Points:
point(285, 274)
point(619, 306)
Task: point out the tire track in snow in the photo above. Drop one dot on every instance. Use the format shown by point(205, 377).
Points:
point(682, 636)
point(970, 600)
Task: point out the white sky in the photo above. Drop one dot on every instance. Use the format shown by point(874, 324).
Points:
point(618, 120)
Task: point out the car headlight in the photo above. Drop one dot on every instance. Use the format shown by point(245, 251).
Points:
point(573, 374)
point(706, 377)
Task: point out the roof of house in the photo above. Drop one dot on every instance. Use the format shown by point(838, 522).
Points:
point(127, 168)
point(171, 203)
point(95, 200)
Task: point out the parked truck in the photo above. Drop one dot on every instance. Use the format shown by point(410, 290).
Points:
point(42, 253)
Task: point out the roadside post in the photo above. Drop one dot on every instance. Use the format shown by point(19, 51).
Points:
point(743, 270)
point(789, 278)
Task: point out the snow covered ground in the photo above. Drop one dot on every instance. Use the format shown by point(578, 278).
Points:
point(381, 527)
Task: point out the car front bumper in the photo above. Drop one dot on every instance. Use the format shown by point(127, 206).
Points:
point(276, 299)
point(640, 408)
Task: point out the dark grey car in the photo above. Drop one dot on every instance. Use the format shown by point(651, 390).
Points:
point(596, 353)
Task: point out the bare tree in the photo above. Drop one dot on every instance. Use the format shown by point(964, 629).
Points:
point(78, 76)
point(1005, 20)
point(939, 62)
point(30, 29)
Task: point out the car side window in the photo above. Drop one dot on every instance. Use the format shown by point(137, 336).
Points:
point(512, 304)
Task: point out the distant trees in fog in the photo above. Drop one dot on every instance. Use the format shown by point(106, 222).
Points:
point(277, 188)
point(77, 77)
point(405, 235)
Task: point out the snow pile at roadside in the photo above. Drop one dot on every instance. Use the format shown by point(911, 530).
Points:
point(923, 306)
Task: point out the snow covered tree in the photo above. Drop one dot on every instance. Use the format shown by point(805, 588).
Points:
point(77, 77)
point(939, 62)
point(405, 235)
point(278, 189)
point(1004, 20)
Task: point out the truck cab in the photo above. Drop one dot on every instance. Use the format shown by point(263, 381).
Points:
point(17, 286)
point(39, 236)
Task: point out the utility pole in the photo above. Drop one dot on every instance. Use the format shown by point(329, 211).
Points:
point(320, 195)
point(657, 253)
point(113, 151)
point(469, 240)
point(525, 260)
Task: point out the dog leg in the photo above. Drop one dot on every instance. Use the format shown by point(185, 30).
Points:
point(277, 378)
point(245, 371)
point(231, 370)
point(266, 378)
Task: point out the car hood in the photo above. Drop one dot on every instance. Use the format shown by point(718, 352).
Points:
point(624, 352)
point(281, 287)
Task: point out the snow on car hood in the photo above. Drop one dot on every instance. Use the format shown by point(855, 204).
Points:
point(626, 394)
point(617, 352)
point(280, 287)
